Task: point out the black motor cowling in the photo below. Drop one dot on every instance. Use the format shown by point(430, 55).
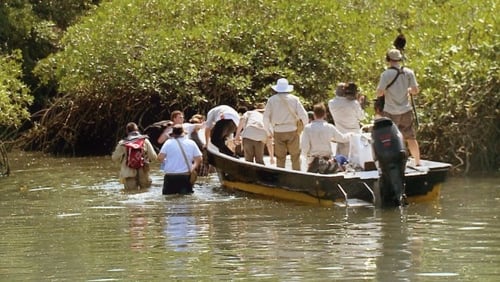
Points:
point(391, 154)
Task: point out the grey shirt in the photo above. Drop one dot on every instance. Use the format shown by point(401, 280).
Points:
point(396, 96)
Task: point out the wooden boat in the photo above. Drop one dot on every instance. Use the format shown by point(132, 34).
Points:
point(347, 188)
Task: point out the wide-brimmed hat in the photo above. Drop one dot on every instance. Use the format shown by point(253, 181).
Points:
point(282, 86)
point(177, 130)
point(394, 55)
point(260, 107)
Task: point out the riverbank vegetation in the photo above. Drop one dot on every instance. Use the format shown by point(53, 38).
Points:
point(14, 94)
point(133, 60)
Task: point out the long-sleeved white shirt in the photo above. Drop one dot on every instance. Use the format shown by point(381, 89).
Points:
point(347, 114)
point(317, 137)
point(253, 126)
point(278, 116)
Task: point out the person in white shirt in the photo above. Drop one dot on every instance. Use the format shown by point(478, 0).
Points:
point(220, 125)
point(346, 112)
point(254, 136)
point(179, 157)
point(317, 137)
point(282, 112)
point(177, 117)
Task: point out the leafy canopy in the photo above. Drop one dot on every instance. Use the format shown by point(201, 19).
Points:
point(139, 60)
point(14, 94)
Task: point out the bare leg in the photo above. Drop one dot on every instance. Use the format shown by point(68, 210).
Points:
point(414, 150)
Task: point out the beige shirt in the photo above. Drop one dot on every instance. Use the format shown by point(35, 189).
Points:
point(120, 155)
point(347, 114)
point(253, 127)
point(278, 116)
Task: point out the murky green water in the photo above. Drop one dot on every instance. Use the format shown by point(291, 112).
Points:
point(67, 219)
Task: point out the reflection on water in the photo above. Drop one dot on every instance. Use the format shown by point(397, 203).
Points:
point(138, 227)
point(69, 219)
point(181, 229)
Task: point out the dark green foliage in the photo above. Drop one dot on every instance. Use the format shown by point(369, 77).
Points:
point(462, 109)
point(134, 60)
point(35, 27)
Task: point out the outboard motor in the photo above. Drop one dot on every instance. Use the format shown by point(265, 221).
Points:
point(390, 151)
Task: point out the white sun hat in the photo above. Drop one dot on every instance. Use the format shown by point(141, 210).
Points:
point(282, 86)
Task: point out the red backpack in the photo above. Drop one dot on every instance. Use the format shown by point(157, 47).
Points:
point(135, 153)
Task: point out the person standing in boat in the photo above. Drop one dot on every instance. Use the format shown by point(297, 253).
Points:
point(179, 156)
point(253, 136)
point(134, 178)
point(396, 84)
point(346, 112)
point(220, 127)
point(283, 110)
point(316, 141)
point(238, 147)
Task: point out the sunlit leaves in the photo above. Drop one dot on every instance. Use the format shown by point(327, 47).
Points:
point(14, 94)
point(192, 55)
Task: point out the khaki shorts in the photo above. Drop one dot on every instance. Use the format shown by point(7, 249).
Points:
point(404, 123)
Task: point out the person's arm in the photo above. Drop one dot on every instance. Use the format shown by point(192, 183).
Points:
point(302, 113)
point(161, 157)
point(241, 124)
point(266, 119)
point(208, 131)
point(164, 135)
point(363, 102)
point(380, 92)
point(382, 83)
point(209, 123)
point(331, 108)
point(413, 90)
point(150, 151)
point(196, 162)
point(360, 113)
point(269, 141)
point(117, 155)
point(305, 142)
point(198, 126)
point(340, 137)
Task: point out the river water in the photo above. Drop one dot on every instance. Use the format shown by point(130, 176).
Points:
point(67, 219)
